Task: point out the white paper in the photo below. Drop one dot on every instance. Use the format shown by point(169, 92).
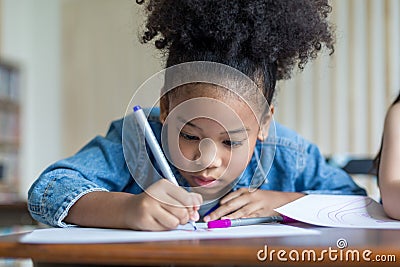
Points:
point(339, 211)
point(98, 235)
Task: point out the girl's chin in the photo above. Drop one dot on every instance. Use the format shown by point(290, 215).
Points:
point(211, 193)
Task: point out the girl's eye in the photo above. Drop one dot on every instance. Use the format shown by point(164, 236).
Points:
point(189, 137)
point(232, 144)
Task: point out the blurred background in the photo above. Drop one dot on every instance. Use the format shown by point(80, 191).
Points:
point(74, 65)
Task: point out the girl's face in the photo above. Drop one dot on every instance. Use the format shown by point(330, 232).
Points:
point(211, 137)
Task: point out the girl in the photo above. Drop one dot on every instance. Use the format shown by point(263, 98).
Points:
point(217, 131)
point(387, 161)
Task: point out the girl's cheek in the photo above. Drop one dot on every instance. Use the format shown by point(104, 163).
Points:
point(238, 161)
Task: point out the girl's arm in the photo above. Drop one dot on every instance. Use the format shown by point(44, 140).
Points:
point(244, 203)
point(299, 169)
point(87, 189)
point(164, 206)
point(99, 166)
point(389, 169)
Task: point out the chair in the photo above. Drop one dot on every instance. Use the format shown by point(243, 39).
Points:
point(360, 166)
point(361, 169)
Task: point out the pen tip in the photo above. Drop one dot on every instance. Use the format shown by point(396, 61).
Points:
point(194, 225)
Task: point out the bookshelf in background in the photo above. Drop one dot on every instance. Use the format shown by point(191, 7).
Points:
point(9, 130)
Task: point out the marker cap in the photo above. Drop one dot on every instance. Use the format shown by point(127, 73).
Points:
point(219, 224)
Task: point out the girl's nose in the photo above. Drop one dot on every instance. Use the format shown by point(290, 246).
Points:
point(207, 155)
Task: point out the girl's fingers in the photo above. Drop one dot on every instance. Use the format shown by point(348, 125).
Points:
point(183, 197)
point(245, 212)
point(173, 217)
point(163, 218)
point(150, 220)
point(186, 199)
point(165, 221)
point(194, 215)
point(189, 206)
point(226, 208)
point(178, 210)
point(168, 193)
point(232, 195)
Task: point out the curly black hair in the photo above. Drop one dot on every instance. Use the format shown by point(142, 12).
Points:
point(271, 36)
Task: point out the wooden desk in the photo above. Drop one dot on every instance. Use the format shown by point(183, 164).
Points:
point(382, 243)
point(15, 213)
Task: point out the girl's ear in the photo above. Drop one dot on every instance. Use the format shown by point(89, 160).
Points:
point(266, 122)
point(164, 108)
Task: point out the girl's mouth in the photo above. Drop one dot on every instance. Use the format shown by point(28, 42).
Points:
point(204, 181)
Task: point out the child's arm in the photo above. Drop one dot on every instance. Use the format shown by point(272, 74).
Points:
point(244, 203)
point(79, 189)
point(163, 207)
point(298, 169)
point(389, 169)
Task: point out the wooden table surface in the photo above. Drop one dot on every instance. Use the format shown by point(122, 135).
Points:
point(14, 213)
point(379, 248)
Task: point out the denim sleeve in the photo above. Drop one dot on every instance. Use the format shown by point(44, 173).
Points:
point(316, 176)
point(99, 166)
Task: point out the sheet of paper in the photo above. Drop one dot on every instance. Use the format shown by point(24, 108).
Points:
point(97, 235)
point(339, 211)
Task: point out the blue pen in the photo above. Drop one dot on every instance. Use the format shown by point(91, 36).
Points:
point(156, 149)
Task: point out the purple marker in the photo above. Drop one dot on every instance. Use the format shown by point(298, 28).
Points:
point(248, 221)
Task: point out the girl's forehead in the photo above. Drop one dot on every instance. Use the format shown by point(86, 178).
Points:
point(233, 112)
point(203, 90)
point(243, 102)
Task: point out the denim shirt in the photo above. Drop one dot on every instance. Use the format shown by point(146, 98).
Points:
point(295, 165)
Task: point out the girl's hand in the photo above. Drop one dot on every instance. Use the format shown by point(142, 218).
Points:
point(245, 204)
point(162, 207)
